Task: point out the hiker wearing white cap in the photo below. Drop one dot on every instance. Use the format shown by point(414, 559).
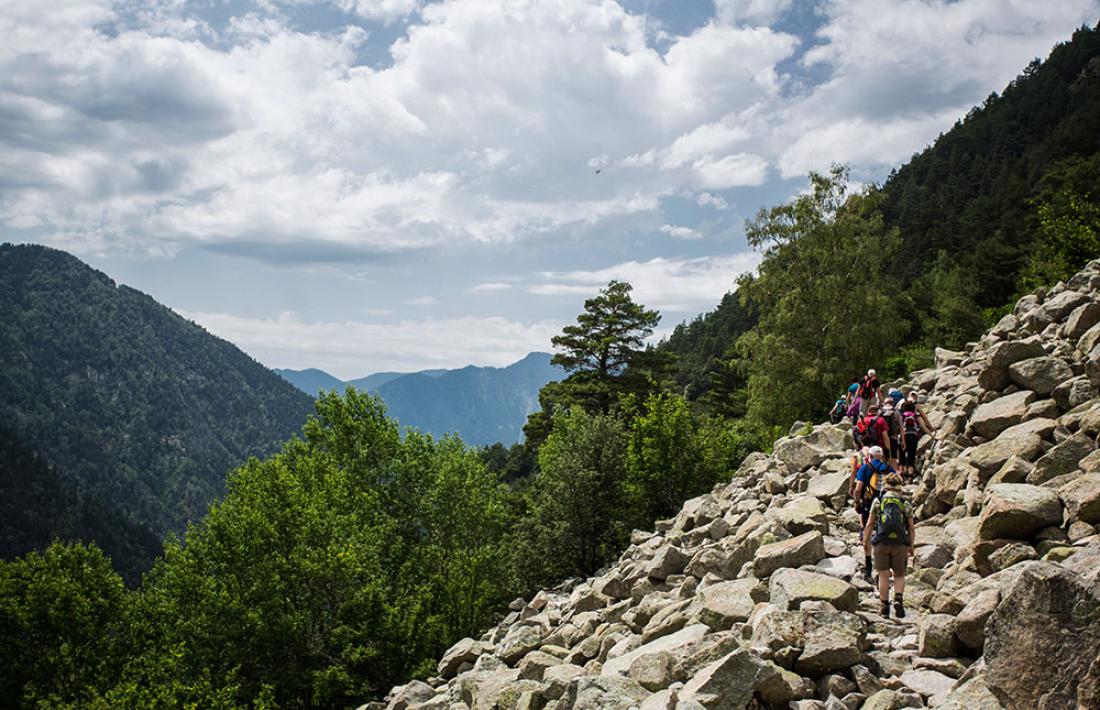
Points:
point(869, 484)
point(868, 391)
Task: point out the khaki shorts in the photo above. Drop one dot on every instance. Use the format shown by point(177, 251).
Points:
point(891, 557)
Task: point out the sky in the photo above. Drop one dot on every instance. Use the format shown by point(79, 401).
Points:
point(370, 185)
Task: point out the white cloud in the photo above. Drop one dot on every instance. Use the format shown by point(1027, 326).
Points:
point(704, 199)
point(751, 11)
point(680, 232)
point(270, 141)
point(422, 301)
point(379, 9)
point(491, 287)
point(739, 169)
point(672, 285)
point(351, 349)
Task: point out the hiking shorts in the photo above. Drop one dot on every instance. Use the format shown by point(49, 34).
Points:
point(891, 557)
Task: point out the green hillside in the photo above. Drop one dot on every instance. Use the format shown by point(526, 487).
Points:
point(129, 403)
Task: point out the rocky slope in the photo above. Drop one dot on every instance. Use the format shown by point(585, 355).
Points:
point(751, 595)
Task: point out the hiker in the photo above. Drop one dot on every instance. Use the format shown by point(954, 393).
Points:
point(913, 423)
point(868, 485)
point(873, 429)
point(890, 530)
point(840, 408)
point(853, 391)
point(868, 391)
point(892, 417)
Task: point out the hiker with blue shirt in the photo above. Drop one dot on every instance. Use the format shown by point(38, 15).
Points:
point(868, 485)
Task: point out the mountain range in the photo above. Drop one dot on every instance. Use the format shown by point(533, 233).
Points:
point(483, 405)
point(118, 414)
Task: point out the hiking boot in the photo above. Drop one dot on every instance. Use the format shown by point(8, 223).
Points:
point(868, 577)
point(899, 608)
point(885, 610)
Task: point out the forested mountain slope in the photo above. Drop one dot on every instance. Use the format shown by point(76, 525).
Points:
point(128, 402)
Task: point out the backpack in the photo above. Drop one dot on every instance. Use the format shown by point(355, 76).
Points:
point(892, 523)
point(867, 387)
point(877, 473)
point(891, 423)
point(868, 431)
point(910, 423)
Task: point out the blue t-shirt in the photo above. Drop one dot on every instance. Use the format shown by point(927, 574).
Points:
point(853, 388)
point(865, 472)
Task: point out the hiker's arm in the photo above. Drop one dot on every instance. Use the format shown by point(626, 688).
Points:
point(859, 493)
point(924, 423)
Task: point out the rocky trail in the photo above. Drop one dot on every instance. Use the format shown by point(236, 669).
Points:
point(751, 597)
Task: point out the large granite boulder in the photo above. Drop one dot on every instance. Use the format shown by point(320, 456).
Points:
point(805, 549)
point(620, 665)
point(802, 452)
point(801, 515)
point(1018, 511)
point(465, 651)
point(1042, 639)
point(790, 587)
point(1024, 440)
point(1062, 459)
point(1040, 374)
point(993, 417)
point(729, 682)
point(603, 693)
point(724, 604)
point(994, 375)
point(1082, 498)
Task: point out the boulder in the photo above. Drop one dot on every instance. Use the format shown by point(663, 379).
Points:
point(805, 549)
point(790, 587)
point(410, 695)
point(887, 699)
point(1036, 637)
point(1040, 374)
point(669, 560)
point(1082, 498)
point(1062, 459)
point(557, 678)
point(937, 637)
point(1058, 307)
point(970, 623)
point(519, 641)
point(1014, 470)
point(972, 694)
point(993, 417)
point(927, 683)
point(724, 604)
point(620, 665)
point(833, 641)
point(1024, 440)
point(1081, 319)
point(465, 651)
point(1018, 511)
point(826, 486)
point(533, 666)
point(801, 515)
point(802, 452)
point(603, 693)
point(1073, 392)
point(728, 682)
point(951, 477)
point(994, 375)
point(654, 671)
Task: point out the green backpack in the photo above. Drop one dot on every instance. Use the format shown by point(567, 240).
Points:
point(892, 523)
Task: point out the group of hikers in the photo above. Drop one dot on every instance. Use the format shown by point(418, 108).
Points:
point(887, 427)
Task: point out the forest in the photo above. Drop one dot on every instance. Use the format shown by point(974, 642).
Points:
point(350, 559)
